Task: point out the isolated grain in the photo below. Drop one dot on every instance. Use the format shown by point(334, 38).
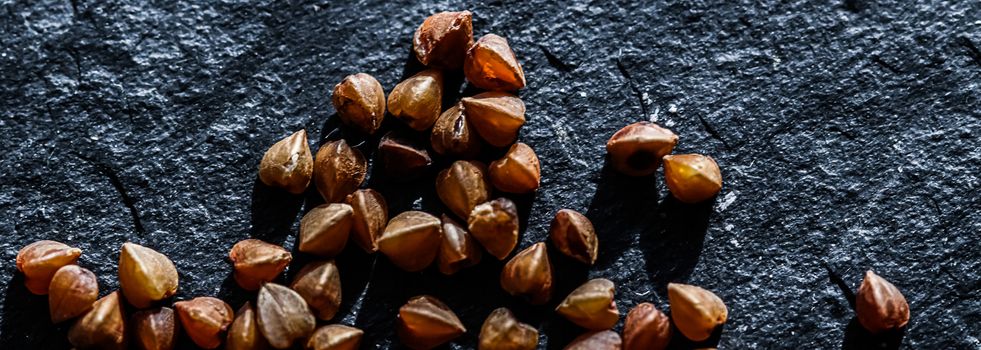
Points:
point(360, 102)
point(411, 240)
point(529, 275)
point(497, 116)
point(288, 164)
point(442, 40)
point(369, 219)
point(463, 186)
point(103, 327)
point(491, 65)
point(205, 320)
point(257, 262)
point(573, 235)
point(453, 135)
point(338, 170)
point(145, 275)
point(40, 260)
point(425, 322)
point(495, 225)
point(335, 337)
point(518, 171)
point(155, 329)
point(283, 315)
point(319, 283)
point(692, 178)
point(696, 312)
point(324, 230)
point(72, 292)
point(879, 305)
point(417, 100)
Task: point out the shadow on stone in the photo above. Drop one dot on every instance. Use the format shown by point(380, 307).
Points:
point(567, 275)
point(354, 266)
point(626, 206)
point(273, 212)
point(673, 246)
point(333, 129)
point(679, 342)
point(455, 87)
point(471, 293)
point(561, 332)
point(835, 278)
point(234, 295)
point(411, 66)
point(524, 203)
point(857, 337)
point(25, 322)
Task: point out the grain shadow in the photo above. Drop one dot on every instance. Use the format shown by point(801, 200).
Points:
point(857, 337)
point(25, 323)
point(274, 211)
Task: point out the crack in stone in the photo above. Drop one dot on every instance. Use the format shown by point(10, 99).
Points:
point(838, 281)
point(878, 60)
point(74, 4)
point(107, 170)
point(633, 87)
point(715, 134)
point(972, 50)
point(555, 61)
point(78, 67)
point(940, 217)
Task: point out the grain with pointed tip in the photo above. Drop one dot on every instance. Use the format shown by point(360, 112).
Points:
point(335, 337)
point(155, 329)
point(370, 215)
point(145, 275)
point(497, 116)
point(879, 305)
point(442, 40)
point(40, 260)
point(257, 262)
point(205, 320)
point(338, 170)
point(696, 312)
point(591, 305)
point(288, 164)
point(495, 225)
point(573, 235)
point(425, 322)
point(103, 327)
point(529, 275)
point(411, 240)
point(324, 230)
point(463, 186)
point(283, 315)
point(72, 292)
point(502, 331)
point(319, 283)
point(491, 65)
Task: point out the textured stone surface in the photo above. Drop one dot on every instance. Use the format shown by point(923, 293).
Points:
point(848, 134)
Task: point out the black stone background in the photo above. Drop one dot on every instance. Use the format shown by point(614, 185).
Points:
point(847, 133)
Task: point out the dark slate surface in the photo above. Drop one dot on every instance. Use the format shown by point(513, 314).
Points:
point(847, 134)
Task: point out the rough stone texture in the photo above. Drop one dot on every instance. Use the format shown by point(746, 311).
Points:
point(848, 134)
